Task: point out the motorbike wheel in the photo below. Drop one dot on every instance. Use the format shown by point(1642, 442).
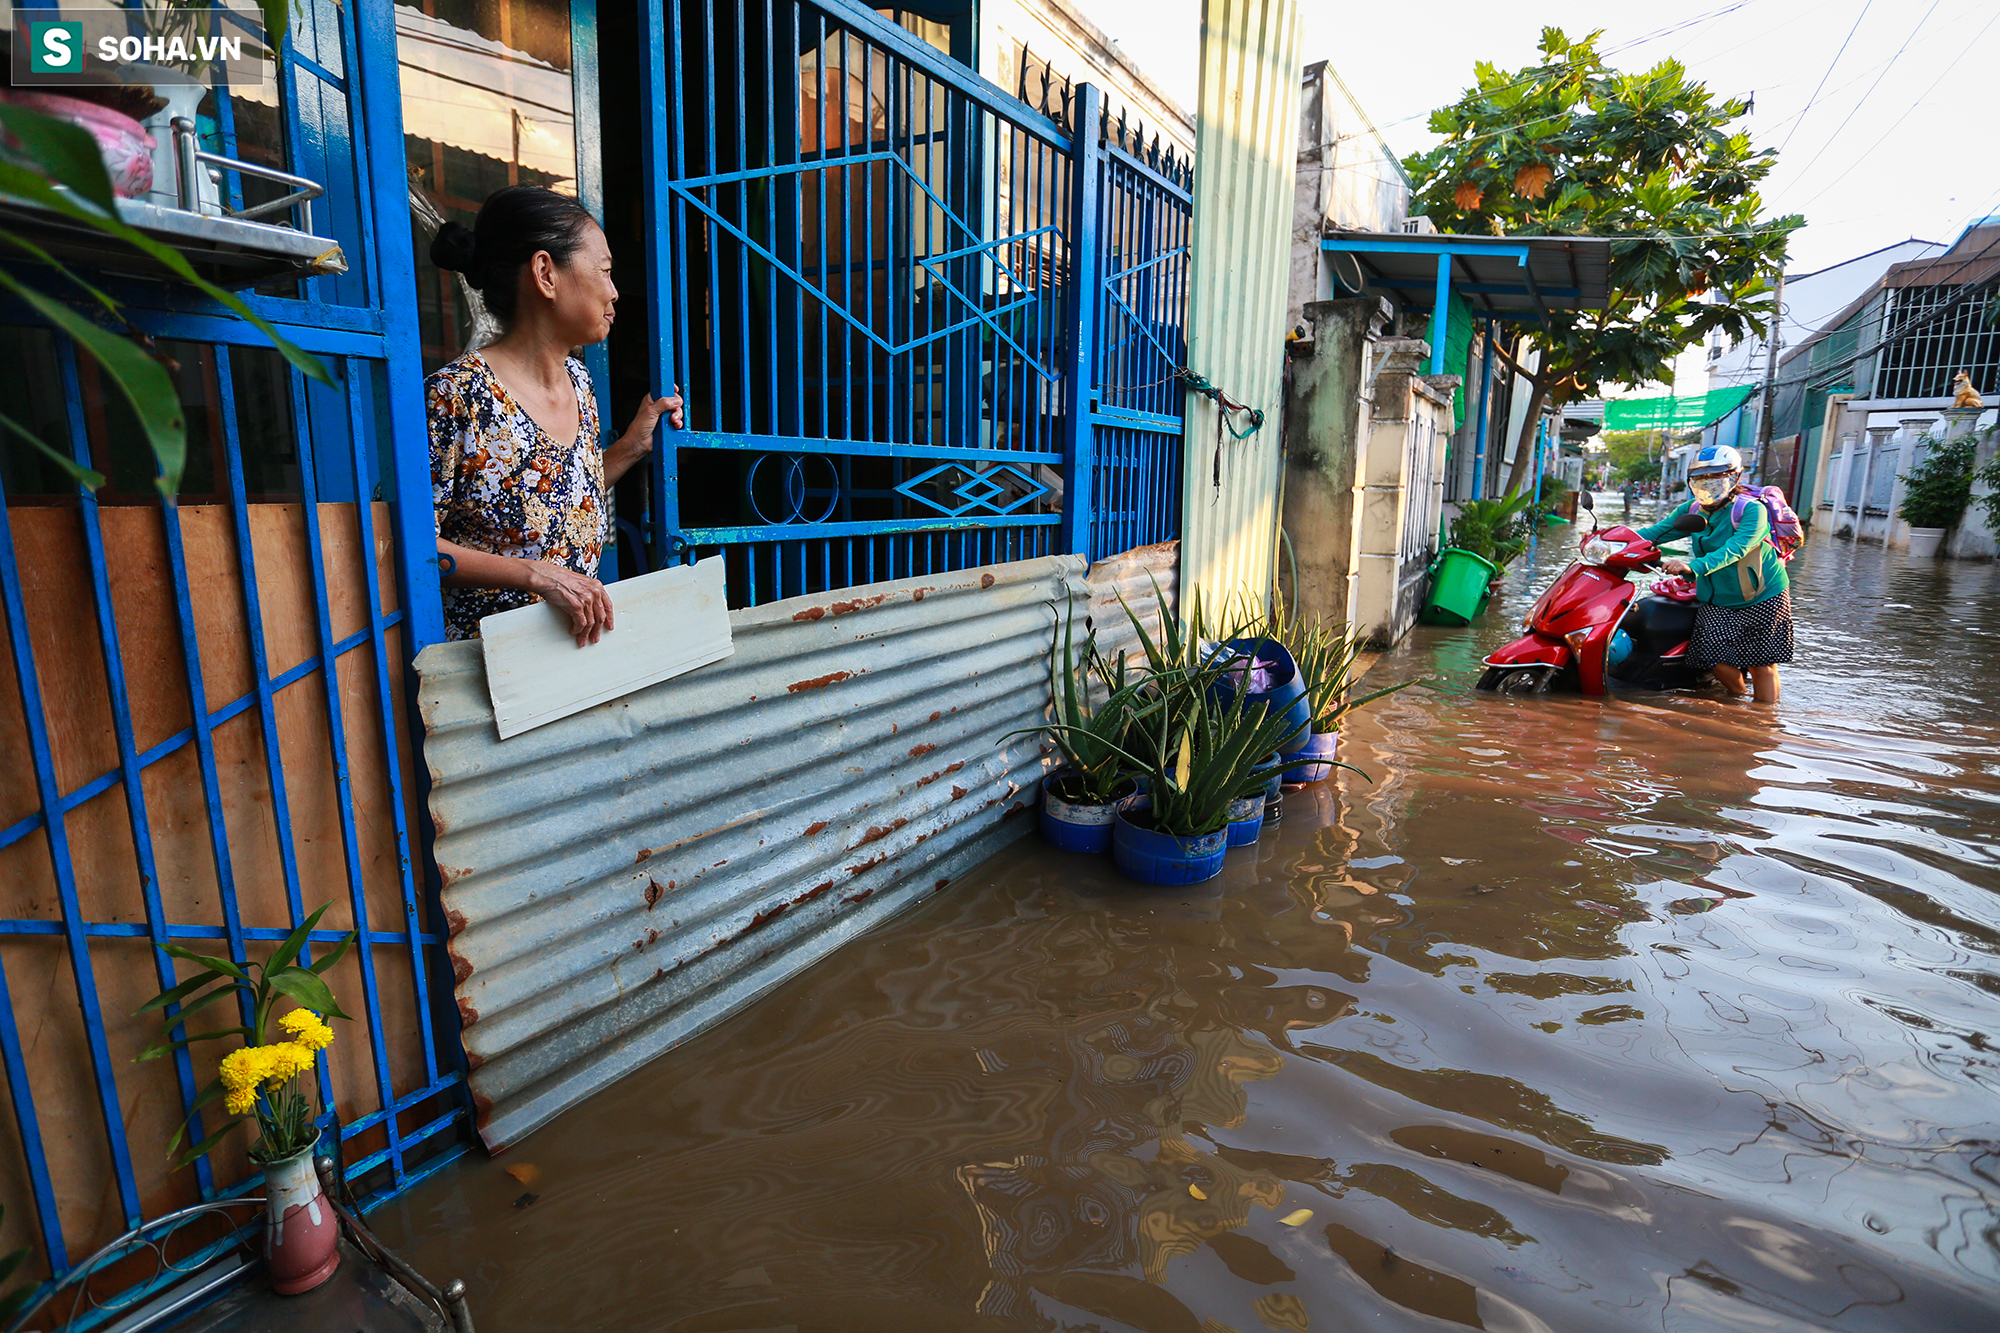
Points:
point(1489, 679)
point(1532, 680)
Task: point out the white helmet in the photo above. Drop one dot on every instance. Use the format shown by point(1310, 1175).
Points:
point(1714, 460)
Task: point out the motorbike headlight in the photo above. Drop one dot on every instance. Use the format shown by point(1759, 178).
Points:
point(1597, 550)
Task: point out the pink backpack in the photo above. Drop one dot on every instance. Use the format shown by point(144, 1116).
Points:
point(1787, 532)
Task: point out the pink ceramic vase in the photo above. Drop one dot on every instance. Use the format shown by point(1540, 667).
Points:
point(301, 1233)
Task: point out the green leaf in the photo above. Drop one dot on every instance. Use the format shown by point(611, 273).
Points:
point(296, 940)
point(180, 992)
point(160, 1048)
point(324, 964)
point(64, 151)
point(222, 965)
point(306, 989)
point(156, 403)
point(203, 1148)
point(76, 471)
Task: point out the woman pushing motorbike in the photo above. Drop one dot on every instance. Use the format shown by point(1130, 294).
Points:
point(1743, 612)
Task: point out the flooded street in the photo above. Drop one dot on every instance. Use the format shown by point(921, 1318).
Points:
point(1660, 1012)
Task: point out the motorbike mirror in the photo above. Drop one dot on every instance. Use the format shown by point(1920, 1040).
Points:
point(1583, 498)
point(1690, 522)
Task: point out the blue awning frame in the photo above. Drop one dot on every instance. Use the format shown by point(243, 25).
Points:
point(1496, 275)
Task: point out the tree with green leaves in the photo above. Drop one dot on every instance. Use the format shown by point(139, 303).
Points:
point(1571, 147)
point(1635, 454)
point(57, 166)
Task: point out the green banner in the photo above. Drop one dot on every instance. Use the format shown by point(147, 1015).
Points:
point(1672, 413)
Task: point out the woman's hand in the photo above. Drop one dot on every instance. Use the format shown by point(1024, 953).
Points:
point(583, 599)
point(637, 441)
point(1673, 564)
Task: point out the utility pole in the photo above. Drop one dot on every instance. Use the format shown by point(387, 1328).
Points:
point(1771, 378)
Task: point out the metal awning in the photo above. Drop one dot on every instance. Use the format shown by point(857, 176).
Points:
point(1519, 278)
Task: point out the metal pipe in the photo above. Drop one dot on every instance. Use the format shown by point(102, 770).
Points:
point(1479, 437)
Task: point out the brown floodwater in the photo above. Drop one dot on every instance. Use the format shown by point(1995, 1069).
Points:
point(1664, 1012)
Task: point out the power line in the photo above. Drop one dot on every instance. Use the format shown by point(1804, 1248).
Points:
point(1870, 4)
point(1851, 111)
point(1917, 101)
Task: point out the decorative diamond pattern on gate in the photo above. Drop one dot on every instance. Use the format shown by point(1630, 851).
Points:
point(996, 490)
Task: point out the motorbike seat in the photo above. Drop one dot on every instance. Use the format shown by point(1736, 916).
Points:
point(1659, 623)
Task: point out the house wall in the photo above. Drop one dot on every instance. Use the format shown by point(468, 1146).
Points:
point(1049, 35)
point(1348, 180)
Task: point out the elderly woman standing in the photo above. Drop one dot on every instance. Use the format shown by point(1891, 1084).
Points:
point(522, 491)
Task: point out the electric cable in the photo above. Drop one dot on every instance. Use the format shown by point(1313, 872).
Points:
point(1868, 5)
point(1862, 100)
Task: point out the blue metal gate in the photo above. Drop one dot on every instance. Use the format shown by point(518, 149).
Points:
point(863, 272)
point(203, 739)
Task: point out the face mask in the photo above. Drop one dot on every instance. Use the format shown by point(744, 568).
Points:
point(1709, 490)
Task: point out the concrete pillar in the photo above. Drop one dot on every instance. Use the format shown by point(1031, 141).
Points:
point(1327, 412)
point(1409, 421)
point(1974, 538)
point(1878, 440)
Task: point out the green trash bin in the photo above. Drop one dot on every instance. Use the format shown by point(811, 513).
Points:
point(1459, 580)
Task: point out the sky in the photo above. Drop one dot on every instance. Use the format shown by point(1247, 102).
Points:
point(1881, 112)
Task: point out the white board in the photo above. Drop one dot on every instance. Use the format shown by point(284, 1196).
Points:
point(667, 623)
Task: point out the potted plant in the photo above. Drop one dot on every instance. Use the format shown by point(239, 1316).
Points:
point(1326, 664)
point(1080, 797)
point(1937, 491)
point(267, 1079)
point(1485, 538)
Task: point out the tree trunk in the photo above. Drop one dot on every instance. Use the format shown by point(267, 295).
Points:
point(1524, 451)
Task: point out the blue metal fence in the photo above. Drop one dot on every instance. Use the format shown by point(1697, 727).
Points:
point(195, 828)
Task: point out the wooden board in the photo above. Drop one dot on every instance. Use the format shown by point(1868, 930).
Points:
point(667, 622)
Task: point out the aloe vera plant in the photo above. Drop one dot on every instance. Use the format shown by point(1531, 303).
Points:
point(1088, 733)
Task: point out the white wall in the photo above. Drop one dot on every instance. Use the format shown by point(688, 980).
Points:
point(1059, 36)
point(1347, 179)
point(1811, 300)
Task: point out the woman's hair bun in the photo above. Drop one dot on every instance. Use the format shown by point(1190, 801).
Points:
point(455, 250)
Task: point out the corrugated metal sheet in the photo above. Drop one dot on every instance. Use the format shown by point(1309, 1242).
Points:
point(619, 879)
point(1141, 576)
point(1245, 161)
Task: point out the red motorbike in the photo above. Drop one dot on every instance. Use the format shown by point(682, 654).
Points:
point(1587, 631)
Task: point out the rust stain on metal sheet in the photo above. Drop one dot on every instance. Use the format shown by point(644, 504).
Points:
point(644, 852)
point(482, 1111)
point(859, 604)
point(985, 580)
point(935, 716)
point(821, 682)
point(466, 1013)
point(916, 595)
point(878, 833)
point(653, 892)
point(958, 793)
point(817, 826)
point(919, 751)
point(810, 613)
point(461, 967)
point(860, 897)
point(941, 883)
point(768, 914)
point(868, 864)
point(454, 921)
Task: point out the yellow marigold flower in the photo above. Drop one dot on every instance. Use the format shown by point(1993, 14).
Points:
point(308, 1029)
point(244, 1069)
point(240, 1101)
point(287, 1059)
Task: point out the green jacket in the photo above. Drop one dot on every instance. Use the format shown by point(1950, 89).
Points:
point(1734, 562)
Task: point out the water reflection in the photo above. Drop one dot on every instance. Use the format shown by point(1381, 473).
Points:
point(1657, 1012)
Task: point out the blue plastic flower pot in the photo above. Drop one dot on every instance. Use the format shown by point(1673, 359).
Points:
point(1287, 694)
point(1070, 827)
point(1246, 820)
point(1152, 857)
point(1319, 748)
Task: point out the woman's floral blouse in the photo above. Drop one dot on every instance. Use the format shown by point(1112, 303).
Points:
point(501, 485)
